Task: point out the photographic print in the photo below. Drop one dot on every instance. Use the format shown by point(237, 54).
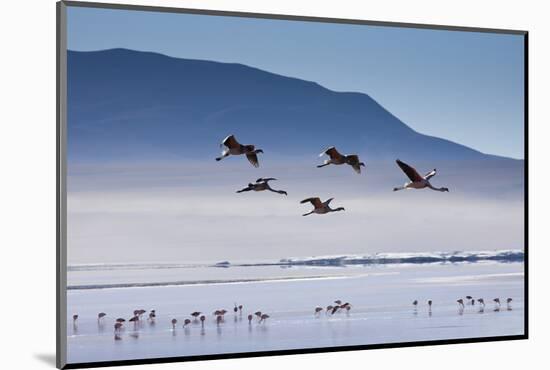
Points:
point(241, 184)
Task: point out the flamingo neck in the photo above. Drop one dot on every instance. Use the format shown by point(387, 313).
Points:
point(436, 189)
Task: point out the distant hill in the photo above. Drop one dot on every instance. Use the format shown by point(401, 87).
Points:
point(126, 104)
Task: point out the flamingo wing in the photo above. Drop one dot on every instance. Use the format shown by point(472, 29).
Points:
point(230, 142)
point(327, 202)
point(261, 179)
point(315, 201)
point(430, 174)
point(332, 153)
point(253, 159)
point(409, 171)
point(353, 161)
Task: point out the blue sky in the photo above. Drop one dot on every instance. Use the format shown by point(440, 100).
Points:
point(463, 86)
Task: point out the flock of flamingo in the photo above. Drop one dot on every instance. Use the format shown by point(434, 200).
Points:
point(195, 317)
point(339, 306)
point(233, 147)
point(469, 300)
point(199, 317)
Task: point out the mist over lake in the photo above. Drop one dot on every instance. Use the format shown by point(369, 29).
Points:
point(181, 212)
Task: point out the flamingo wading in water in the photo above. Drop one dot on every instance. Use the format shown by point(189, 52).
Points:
point(481, 305)
point(118, 327)
point(417, 181)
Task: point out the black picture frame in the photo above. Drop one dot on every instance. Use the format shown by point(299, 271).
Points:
point(61, 191)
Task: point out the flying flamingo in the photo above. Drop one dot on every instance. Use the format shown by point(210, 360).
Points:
point(336, 158)
point(261, 185)
point(319, 207)
point(233, 147)
point(417, 181)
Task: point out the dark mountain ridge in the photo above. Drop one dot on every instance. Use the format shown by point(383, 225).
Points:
point(125, 104)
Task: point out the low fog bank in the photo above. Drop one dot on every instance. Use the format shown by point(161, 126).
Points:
point(189, 212)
